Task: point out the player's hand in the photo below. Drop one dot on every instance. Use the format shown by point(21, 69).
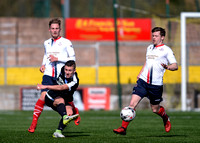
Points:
point(52, 58)
point(164, 66)
point(40, 86)
point(42, 69)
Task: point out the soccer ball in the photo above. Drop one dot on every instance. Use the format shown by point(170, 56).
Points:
point(127, 114)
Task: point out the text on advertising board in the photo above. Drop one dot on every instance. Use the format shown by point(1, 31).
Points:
point(129, 29)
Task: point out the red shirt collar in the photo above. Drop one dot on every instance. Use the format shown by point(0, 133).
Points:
point(56, 39)
point(159, 45)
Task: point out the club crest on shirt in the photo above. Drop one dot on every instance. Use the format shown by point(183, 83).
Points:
point(161, 49)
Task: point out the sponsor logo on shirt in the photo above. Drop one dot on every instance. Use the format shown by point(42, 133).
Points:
point(152, 56)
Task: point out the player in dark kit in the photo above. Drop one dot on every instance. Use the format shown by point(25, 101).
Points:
point(60, 96)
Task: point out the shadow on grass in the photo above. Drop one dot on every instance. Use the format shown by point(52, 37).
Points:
point(158, 136)
point(150, 136)
point(76, 134)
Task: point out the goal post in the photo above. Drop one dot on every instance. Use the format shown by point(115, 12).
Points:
point(184, 16)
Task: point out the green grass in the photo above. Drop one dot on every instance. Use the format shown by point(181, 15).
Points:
point(97, 126)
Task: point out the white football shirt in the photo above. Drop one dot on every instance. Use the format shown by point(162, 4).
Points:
point(153, 71)
point(62, 49)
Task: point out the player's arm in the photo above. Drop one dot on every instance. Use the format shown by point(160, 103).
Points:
point(141, 71)
point(42, 68)
point(53, 87)
point(67, 86)
point(70, 53)
point(171, 67)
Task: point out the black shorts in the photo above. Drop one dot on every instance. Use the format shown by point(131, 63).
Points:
point(52, 94)
point(49, 102)
point(152, 92)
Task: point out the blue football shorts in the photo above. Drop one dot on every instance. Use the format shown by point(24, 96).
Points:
point(48, 80)
point(152, 92)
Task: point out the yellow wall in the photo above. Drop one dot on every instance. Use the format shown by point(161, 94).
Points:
point(87, 75)
point(23, 76)
point(1, 76)
point(128, 74)
point(194, 74)
point(172, 76)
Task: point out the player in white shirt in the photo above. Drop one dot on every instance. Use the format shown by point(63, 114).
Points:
point(156, 56)
point(159, 58)
point(60, 48)
point(58, 51)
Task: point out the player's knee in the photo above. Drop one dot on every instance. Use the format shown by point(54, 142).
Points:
point(58, 101)
point(155, 110)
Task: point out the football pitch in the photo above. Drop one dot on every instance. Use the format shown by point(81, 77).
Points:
point(97, 126)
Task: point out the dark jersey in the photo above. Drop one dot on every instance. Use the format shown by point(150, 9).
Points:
point(67, 95)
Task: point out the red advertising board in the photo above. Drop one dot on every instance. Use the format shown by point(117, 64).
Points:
point(129, 29)
point(96, 98)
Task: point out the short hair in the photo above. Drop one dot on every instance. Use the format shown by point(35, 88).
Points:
point(71, 63)
point(162, 31)
point(55, 21)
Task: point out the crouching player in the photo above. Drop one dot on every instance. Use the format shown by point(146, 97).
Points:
point(60, 97)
